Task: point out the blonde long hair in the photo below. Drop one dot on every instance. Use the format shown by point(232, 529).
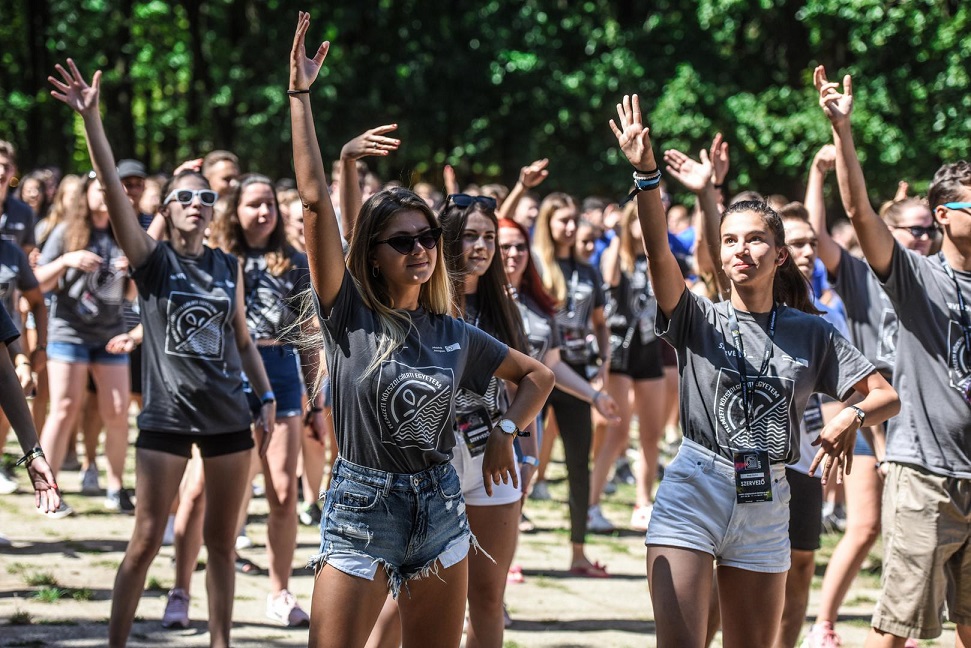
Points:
point(545, 247)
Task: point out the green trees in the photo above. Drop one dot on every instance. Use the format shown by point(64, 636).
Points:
point(488, 86)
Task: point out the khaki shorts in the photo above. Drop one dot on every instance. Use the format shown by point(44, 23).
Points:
point(926, 528)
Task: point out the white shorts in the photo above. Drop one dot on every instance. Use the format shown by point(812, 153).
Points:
point(695, 508)
point(469, 470)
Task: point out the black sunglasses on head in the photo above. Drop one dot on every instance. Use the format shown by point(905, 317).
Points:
point(465, 200)
point(404, 244)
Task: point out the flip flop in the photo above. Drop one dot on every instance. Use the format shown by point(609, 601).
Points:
point(515, 575)
point(594, 570)
point(247, 566)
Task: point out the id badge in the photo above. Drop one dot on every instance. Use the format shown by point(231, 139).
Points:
point(753, 481)
point(475, 427)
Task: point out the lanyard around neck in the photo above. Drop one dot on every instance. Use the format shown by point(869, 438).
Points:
point(962, 305)
point(740, 359)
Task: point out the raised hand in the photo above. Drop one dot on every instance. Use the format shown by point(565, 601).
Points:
point(451, 182)
point(371, 142)
point(718, 154)
point(903, 188)
point(304, 70)
point(837, 106)
point(533, 175)
point(74, 91)
point(632, 136)
point(825, 159)
point(695, 176)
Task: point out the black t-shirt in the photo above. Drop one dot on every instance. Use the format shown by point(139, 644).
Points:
point(584, 293)
point(17, 222)
point(541, 330)
point(8, 330)
point(631, 304)
point(271, 302)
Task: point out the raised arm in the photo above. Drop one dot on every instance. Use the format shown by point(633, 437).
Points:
point(875, 239)
point(698, 178)
point(370, 142)
point(529, 177)
point(634, 140)
point(82, 98)
point(324, 250)
point(828, 250)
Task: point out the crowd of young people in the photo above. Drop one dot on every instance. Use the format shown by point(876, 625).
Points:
point(438, 344)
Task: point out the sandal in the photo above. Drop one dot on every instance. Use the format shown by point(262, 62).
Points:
point(593, 570)
point(515, 575)
point(247, 566)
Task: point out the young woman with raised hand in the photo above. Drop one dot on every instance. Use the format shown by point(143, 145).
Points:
point(747, 366)
point(196, 345)
point(394, 515)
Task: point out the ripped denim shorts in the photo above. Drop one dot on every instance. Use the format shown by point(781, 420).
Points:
point(408, 524)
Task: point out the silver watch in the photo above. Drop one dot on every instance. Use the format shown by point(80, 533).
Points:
point(508, 426)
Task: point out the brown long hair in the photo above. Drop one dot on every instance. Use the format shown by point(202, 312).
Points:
point(66, 200)
point(789, 286)
point(553, 279)
point(78, 225)
point(227, 232)
point(531, 284)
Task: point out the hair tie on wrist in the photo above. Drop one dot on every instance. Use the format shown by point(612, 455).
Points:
point(293, 93)
point(651, 172)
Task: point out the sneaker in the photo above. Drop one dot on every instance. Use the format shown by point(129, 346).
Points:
point(821, 635)
point(243, 541)
point(8, 484)
point(596, 522)
point(641, 517)
point(610, 487)
point(89, 481)
point(119, 501)
point(310, 514)
point(61, 511)
point(540, 491)
point(623, 474)
point(168, 537)
point(285, 610)
point(176, 613)
point(5, 541)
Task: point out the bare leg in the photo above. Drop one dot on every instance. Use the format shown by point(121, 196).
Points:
point(280, 472)
point(345, 608)
point(433, 614)
point(615, 437)
point(67, 381)
point(680, 584)
point(113, 398)
point(648, 401)
point(387, 629)
point(798, 581)
point(90, 428)
point(751, 607)
point(157, 477)
point(188, 523)
point(225, 485)
point(497, 529)
point(550, 431)
point(878, 639)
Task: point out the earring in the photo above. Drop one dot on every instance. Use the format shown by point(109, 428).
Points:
point(375, 272)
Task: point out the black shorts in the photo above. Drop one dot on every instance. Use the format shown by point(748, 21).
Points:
point(805, 510)
point(180, 444)
point(135, 365)
point(639, 361)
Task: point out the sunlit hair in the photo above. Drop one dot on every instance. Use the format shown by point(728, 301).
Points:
point(66, 200)
point(949, 184)
point(435, 295)
point(630, 247)
point(227, 231)
point(531, 285)
point(498, 313)
point(78, 224)
point(789, 286)
point(892, 210)
point(545, 247)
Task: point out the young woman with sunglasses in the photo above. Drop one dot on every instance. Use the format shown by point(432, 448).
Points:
point(394, 515)
point(577, 288)
point(85, 270)
point(748, 366)
point(196, 345)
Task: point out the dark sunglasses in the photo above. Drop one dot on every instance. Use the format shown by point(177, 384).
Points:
point(519, 247)
point(919, 231)
point(404, 244)
point(185, 197)
point(465, 200)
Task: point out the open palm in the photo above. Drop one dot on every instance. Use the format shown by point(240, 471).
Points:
point(837, 106)
point(73, 90)
point(632, 136)
point(304, 70)
point(695, 176)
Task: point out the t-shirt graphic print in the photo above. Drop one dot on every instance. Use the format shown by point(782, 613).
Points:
point(194, 326)
point(959, 360)
point(771, 398)
point(414, 403)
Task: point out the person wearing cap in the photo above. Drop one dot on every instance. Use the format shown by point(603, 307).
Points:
point(133, 174)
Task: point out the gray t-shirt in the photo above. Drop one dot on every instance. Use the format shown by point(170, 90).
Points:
point(541, 330)
point(584, 293)
point(869, 312)
point(933, 429)
point(15, 275)
point(808, 355)
point(17, 222)
point(399, 417)
point(86, 306)
point(191, 369)
point(271, 302)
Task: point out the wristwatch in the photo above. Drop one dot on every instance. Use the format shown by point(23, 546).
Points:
point(860, 414)
point(508, 426)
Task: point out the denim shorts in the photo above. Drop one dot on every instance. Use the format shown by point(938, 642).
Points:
point(409, 524)
point(285, 379)
point(74, 353)
point(862, 448)
point(695, 508)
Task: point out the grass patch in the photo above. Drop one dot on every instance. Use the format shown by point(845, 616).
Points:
point(50, 594)
point(20, 618)
point(59, 622)
point(82, 594)
point(16, 568)
point(155, 585)
point(40, 579)
point(549, 583)
point(113, 565)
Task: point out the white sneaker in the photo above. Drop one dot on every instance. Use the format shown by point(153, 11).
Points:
point(89, 481)
point(8, 484)
point(61, 511)
point(540, 491)
point(597, 523)
point(243, 541)
point(285, 610)
point(641, 517)
point(176, 613)
point(822, 635)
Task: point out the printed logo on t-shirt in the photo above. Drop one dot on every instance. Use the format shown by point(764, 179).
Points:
point(771, 400)
point(414, 404)
point(268, 311)
point(887, 337)
point(466, 401)
point(959, 360)
point(194, 325)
